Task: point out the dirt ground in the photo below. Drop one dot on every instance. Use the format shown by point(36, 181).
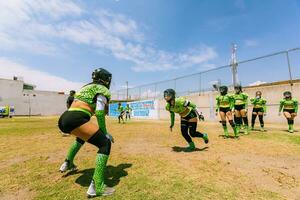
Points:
point(150, 162)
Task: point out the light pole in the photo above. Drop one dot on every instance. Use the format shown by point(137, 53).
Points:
point(233, 64)
point(126, 90)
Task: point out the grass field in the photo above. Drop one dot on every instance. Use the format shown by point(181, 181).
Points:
point(149, 162)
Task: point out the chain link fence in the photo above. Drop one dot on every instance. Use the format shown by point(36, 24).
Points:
point(283, 65)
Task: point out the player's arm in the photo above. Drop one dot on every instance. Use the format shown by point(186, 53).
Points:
point(232, 102)
point(172, 115)
point(253, 100)
point(246, 100)
point(296, 105)
point(264, 104)
point(281, 105)
point(100, 115)
point(217, 104)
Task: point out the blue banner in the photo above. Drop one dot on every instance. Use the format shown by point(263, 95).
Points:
point(139, 108)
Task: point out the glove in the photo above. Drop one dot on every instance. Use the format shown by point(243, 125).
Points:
point(110, 137)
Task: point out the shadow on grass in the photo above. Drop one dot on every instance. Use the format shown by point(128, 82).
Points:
point(112, 175)
point(185, 149)
point(287, 131)
point(230, 136)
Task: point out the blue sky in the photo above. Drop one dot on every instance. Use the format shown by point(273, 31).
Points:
point(56, 44)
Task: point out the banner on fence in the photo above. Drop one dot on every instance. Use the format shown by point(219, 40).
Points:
point(139, 109)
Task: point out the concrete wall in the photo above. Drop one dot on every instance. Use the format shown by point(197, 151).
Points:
point(32, 102)
point(273, 94)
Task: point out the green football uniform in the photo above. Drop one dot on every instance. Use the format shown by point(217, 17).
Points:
point(88, 94)
point(128, 109)
point(291, 104)
point(180, 106)
point(224, 101)
point(259, 103)
point(120, 109)
point(240, 99)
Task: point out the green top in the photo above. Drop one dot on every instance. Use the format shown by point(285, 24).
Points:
point(181, 104)
point(259, 103)
point(88, 94)
point(240, 99)
point(289, 104)
point(224, 101)
point(120, 108)
point(127, 108)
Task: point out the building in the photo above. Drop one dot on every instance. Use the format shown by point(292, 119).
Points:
point(28, 101)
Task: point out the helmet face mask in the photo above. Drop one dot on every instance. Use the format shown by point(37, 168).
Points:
point(72, 92)
point(169, 94)
point(238, 88)
point(258, 94)
point(287, 95)
point(102, 76)
point(223, 90)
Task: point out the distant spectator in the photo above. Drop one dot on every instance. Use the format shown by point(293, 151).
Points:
point(70, 98)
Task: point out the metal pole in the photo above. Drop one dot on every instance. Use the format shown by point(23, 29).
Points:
point(290, 71)
point(233, 65)
point(140, 93)
point(126, 90)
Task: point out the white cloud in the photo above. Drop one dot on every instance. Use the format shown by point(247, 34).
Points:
point(251, 43)
point(42, 80)
point(42, 27)
point(257, 83)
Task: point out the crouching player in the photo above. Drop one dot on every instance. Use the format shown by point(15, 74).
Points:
point(290, 109)
point(92, 99)
point(188, 114)
point(224, 104)
point(259, 108)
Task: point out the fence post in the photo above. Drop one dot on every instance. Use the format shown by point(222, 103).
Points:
point(289, 67)
point(140, 93)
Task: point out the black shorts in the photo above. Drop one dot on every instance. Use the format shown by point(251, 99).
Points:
point(289, 110)
point(239, 107)
point(70, 120)
point(191, 115)
point(257, 110)
point(224, 110)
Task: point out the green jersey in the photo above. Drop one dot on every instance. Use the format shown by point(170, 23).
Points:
point(224, 101)
point(259, 103)
point(240, 99)
point(181, 105)
point(128, 109)
point(120, 109)
point(291, 104)
point(89, 94)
